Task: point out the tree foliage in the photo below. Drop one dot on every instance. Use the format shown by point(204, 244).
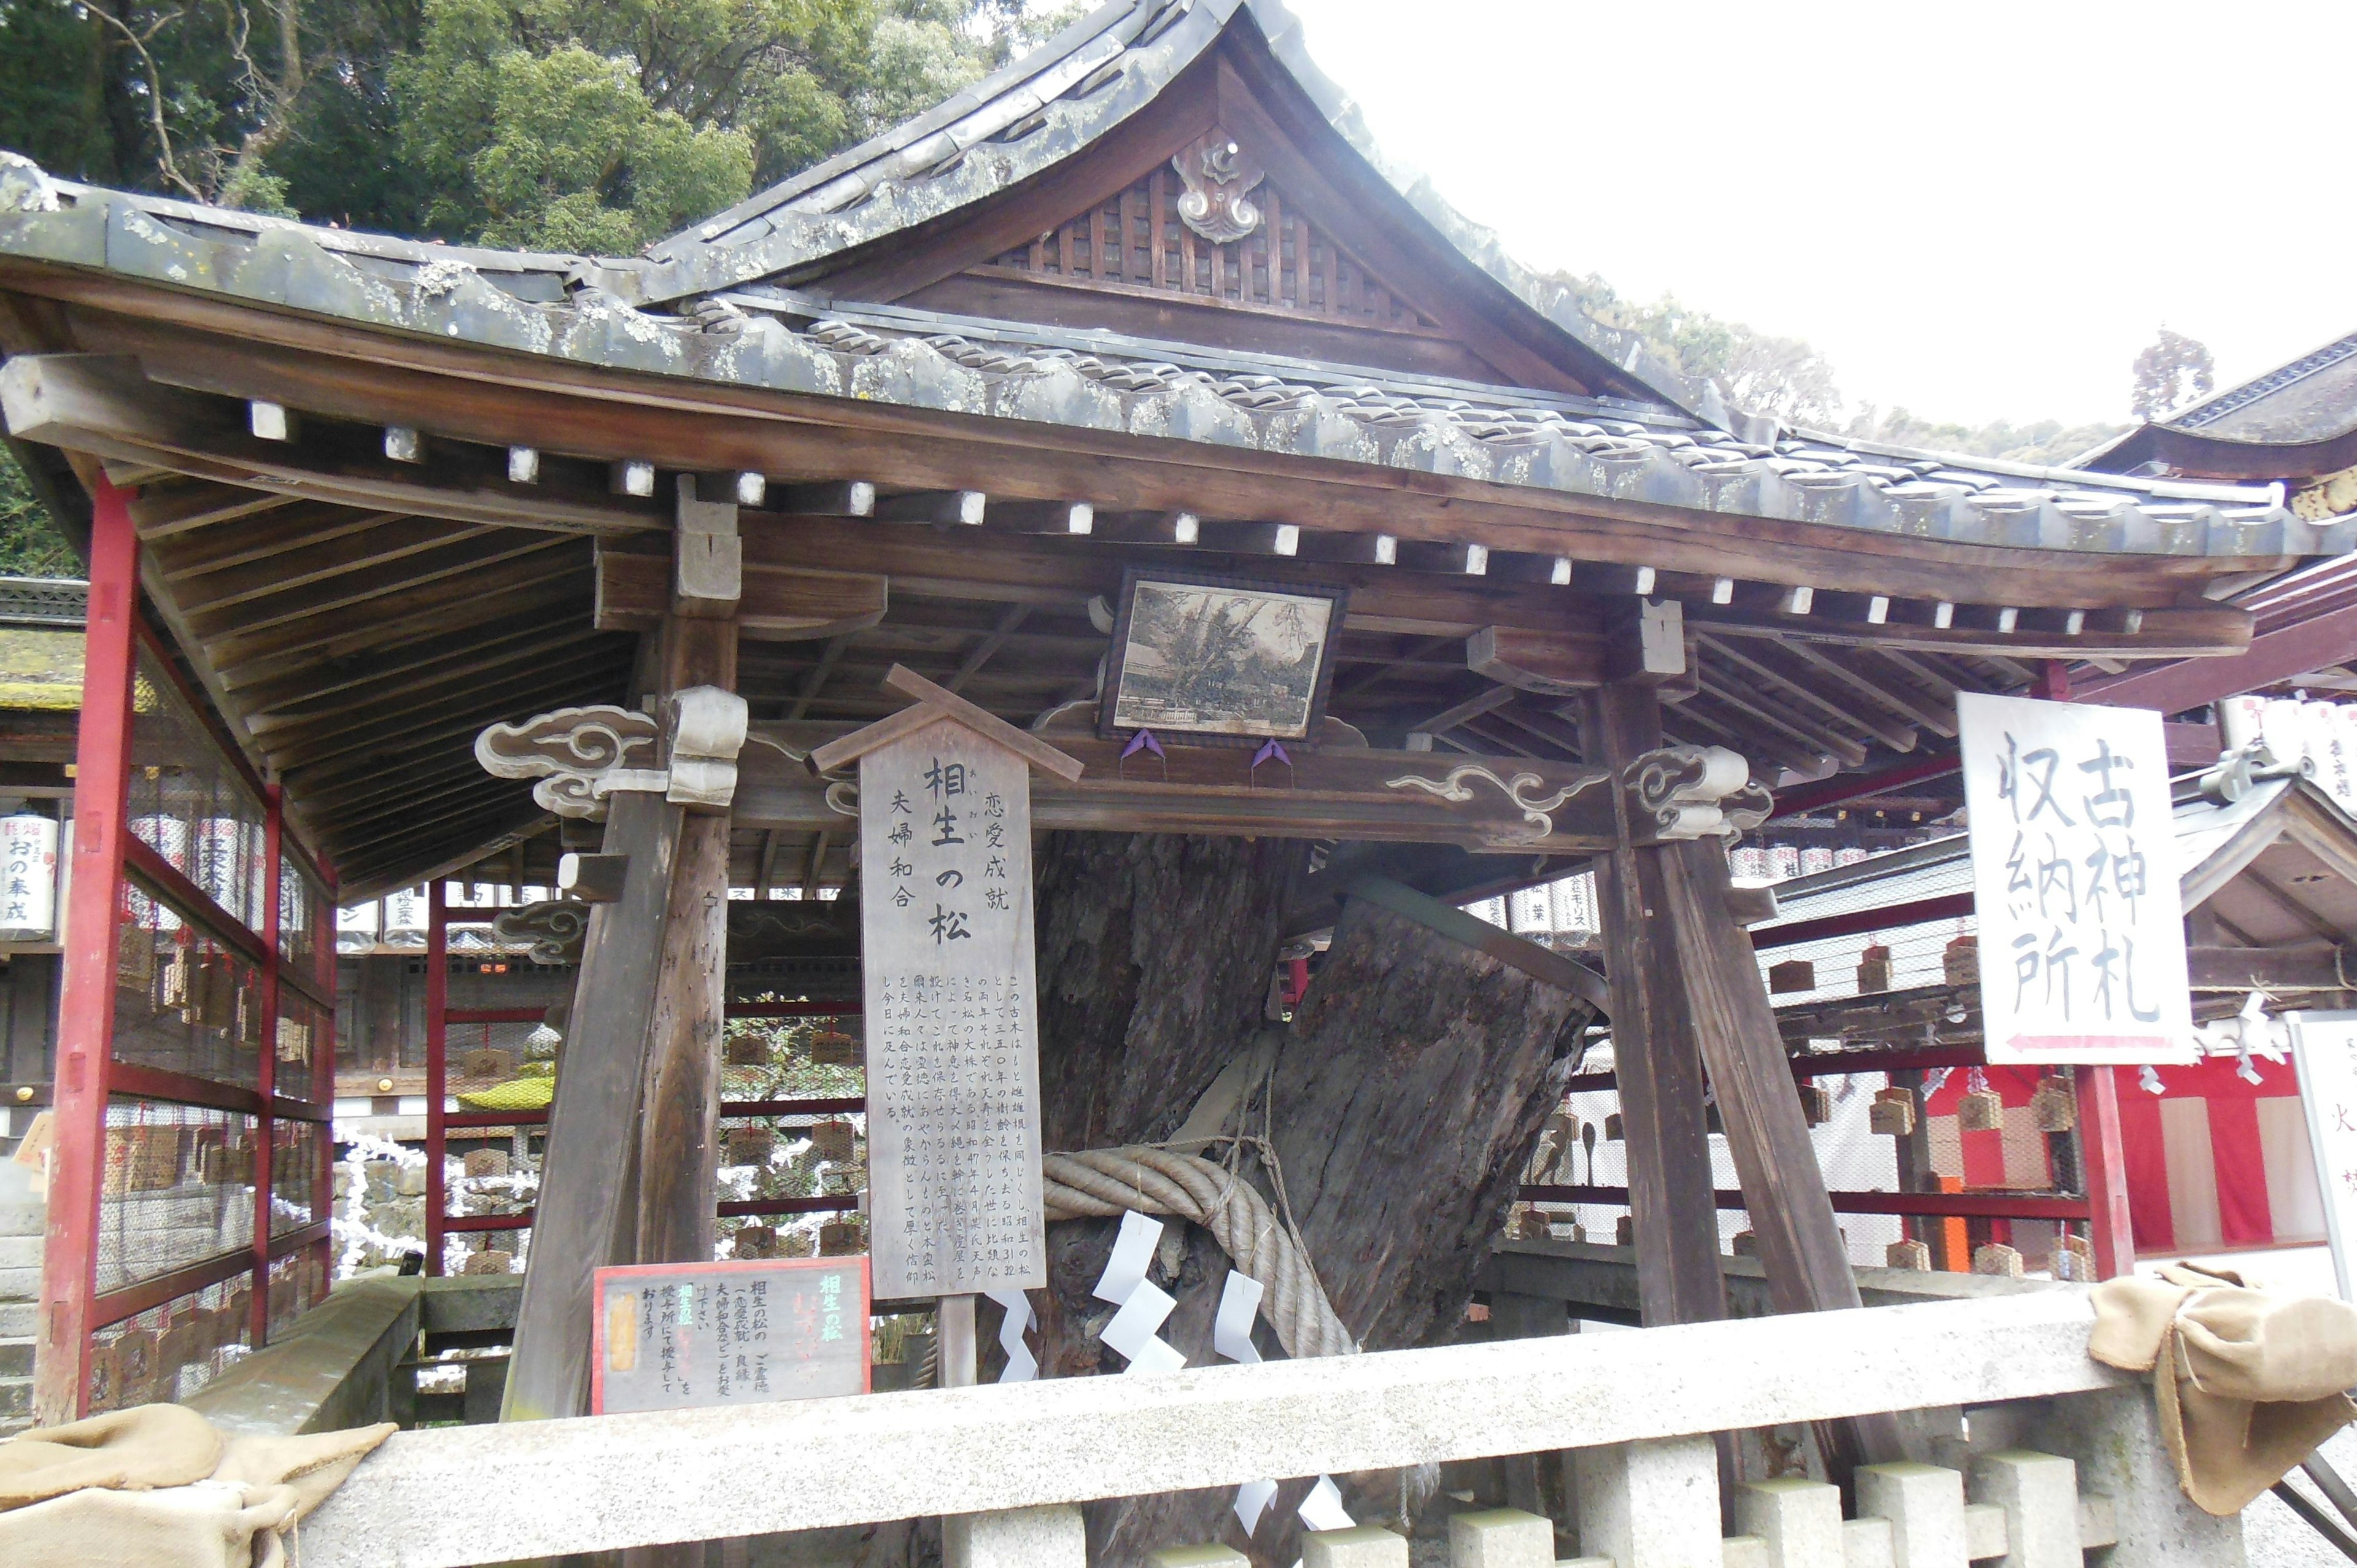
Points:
point(2174, 371)
point(29, 545)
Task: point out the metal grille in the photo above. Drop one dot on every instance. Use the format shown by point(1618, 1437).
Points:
point(179, 1190)
point(168, 1352)
point(298, 1283)
point(299, 1151)
point(185, 1002)
point(189, 805)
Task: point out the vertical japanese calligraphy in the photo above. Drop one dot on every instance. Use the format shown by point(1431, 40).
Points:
point(2075, 883)
point(953, 1022)
point(674, 1336)
point(2324, 1053)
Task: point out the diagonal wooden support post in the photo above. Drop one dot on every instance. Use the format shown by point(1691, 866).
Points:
point(582, 1212)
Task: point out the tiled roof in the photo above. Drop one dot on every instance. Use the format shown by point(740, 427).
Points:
point(2312, 398)
point(769, 338)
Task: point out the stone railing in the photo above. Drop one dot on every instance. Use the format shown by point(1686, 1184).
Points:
point(2022, 1450)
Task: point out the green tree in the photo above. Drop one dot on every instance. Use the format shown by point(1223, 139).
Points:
point(29, 543)
point(1760, 373)
point(2175, 370)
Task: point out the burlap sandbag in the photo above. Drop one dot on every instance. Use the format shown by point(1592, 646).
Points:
point(160, 1484)
point(2253, 1381)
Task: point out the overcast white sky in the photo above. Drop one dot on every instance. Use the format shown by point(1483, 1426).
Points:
point(1975, 210)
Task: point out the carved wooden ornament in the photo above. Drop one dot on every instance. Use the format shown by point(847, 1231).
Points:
point(550, 931)
point(580, 756)
point(1694, 792)
point(578, 753)
point(1220, 176)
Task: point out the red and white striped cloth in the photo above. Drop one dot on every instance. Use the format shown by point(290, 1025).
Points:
point(2217, 1165)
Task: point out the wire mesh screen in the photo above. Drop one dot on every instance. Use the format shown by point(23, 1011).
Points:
point(188, 805)
point(816, 1155)
point(168, 1352)
point(299, 1151)
point(499, 1066)
point(177, 1189)
point(185, 1002)
point(487, 1252)
point(298, 1283)
point(304, 1068)
point(491, 1170)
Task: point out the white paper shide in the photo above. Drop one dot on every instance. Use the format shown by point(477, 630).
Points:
point(2075, 882)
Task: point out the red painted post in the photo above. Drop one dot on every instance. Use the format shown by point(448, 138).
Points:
point(437, 1074)
point(2100, 1153)
point(265, 1152)
point(323, 1193)
point(86, 1009)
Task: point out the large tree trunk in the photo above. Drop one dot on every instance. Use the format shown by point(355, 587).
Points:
point(1154, 957)
point(1407, 1098)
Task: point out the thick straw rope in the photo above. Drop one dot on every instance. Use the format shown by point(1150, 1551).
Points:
point(1105, 1182)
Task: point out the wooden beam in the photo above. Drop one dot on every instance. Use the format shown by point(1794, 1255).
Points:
point(103, 405)
point(778, 604)
point(992, 641)
point(933, 704)
point(1332, 793)
point(962, 507)
point(467, 393)
point(1749, 658)
point(2331, 968)
point(1530, 660)
point(1890, 696)
point(178, 506)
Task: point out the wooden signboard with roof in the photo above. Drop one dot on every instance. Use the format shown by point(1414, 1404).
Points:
point(950, 988)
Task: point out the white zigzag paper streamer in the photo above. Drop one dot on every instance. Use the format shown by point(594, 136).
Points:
point(1144, 1305)
point(1231, 1337)
point(1021, 1365)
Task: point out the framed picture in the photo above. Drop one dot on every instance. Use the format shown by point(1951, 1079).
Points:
point(1225, 658)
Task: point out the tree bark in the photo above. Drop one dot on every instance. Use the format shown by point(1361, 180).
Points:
point(1155, 956)
point(1407, 1095)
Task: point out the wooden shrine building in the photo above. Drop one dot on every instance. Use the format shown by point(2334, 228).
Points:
point(371, 523)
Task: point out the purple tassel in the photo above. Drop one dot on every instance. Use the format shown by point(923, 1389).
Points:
point(1142, 741)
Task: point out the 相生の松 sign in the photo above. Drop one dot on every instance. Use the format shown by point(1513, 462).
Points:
point(2075, 883)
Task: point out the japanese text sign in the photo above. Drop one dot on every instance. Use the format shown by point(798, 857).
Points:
point(2324, 1052)
point(952, 1020)
point(2075, 883)
point(672, 1336)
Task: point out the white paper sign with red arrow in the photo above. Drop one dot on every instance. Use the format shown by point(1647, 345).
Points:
point(2075, 883)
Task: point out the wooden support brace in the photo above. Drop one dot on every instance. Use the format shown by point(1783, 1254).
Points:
point(583, 1215)
point(592, 878)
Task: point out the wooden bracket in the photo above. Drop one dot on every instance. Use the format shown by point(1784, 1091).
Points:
point(592, 878)
point(707, 557)
point(1685, 792)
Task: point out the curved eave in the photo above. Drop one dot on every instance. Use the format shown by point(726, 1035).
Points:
point(564, 377)
point(2218, 458)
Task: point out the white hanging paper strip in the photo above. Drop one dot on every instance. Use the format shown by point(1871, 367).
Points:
point(1022, 1367)
point(1252, 1500)
point(1323, 1509)
point(1132, 1254)
point(1144, 1305)
point(1131, 1332)
point(1239, 1306)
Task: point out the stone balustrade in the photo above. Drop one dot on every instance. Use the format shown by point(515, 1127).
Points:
point(2022, 1452)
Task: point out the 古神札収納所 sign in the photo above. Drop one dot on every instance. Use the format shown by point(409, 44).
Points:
point(2075, 883)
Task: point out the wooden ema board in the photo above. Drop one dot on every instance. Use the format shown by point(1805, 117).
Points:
point(952, 1020)
point(675, 1335)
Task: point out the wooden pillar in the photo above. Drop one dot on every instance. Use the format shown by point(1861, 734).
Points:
point(86, 1011)
point(679, 1133)
point(1672, 1201)
point(2104, 1164)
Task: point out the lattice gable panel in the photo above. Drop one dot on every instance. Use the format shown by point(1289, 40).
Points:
point(1186, 230)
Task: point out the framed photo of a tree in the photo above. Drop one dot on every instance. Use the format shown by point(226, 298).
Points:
point(1222, 658)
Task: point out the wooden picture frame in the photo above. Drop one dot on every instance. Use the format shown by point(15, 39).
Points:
point(1269, 678)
